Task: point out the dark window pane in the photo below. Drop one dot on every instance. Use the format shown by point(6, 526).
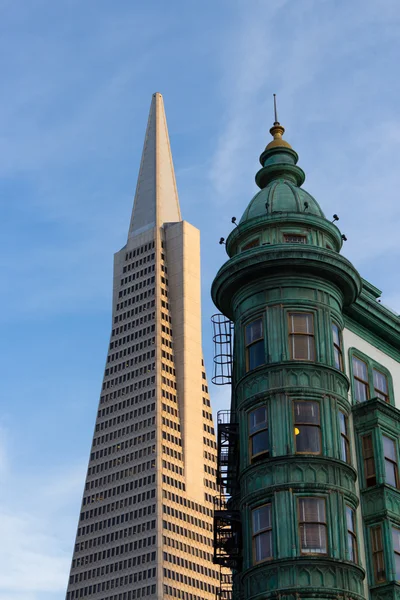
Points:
point(256, 355)
point(262, 518)
point(343, 423)
point(258, 419)
point(306, 412)
point(254, 331)
point(260, 442)
point(352, 547)
point(312, 509)
point(350, 519)
point(396, 539)
point(313, 538)
point(301, 323)
point(302, 347)
point(263, 546)
point(307, 439)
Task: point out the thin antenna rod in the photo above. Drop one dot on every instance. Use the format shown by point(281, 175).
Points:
point(275, 111)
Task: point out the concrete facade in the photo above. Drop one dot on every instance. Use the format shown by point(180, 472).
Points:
point(145, 528)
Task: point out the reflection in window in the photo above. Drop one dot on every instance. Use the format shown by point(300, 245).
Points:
point(307, 432)
point(255, 353)
point(396, 550)
point(337, 347)
point(344, 438)
point(377, 554)
point(369, 460)
point(390, 454)
point(262, 533)
point(312, 522)
point(258, 432)
point(301, 336)
point(351, 534)
point(360, 376)
point(380, 385)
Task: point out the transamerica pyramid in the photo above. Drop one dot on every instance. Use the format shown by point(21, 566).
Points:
point(145, 527)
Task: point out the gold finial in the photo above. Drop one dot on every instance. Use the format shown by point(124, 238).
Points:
point(277, 132)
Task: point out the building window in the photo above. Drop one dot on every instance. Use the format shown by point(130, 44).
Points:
point(312, 523)
point(301, 336)
point(369, 460)
point(396, 550)
point(380, 385)
point(351, 534)
point(360, 376)
point(258, 432)
point(292, 238)
point(307, 427)
point(344, 438)
point(377, 554)
point(262, 533)
point(252, 244)
point(390, 455)
point(255, 354)
point(337, 347)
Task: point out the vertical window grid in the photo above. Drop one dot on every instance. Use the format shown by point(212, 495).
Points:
point(337, 347)
point(258, 432)
point(312, 525)
point(254, 341)
point(262, 533)
point(377, 554)
point(301, 336)
point(307, 427)
point(369, 460)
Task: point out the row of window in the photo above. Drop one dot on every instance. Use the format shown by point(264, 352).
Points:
point(188, 533)
point(307, 440)
point(187, 548)
point(118, 535)
point(108, 553)
point(117, 505)
point(119, 489)
point(117, 520)
point(139, 250)
point(369, 380)
point(136, 399)
point(312, 530)
point(187, 503)
point(149, 590)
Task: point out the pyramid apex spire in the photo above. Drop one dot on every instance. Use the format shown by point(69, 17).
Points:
point(156, 198)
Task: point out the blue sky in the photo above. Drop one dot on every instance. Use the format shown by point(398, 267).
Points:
point(76, 80)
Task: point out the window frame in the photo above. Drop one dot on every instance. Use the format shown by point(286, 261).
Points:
point(364, 382)
point(260, 532)
point(339, 348)
point(323, 523)
point(295, 423)
point(352, 534)
point(344, 436)
point(374, 553)
point(255, 457)
point(295, 234)
point(395, 552)
point(372, 365)
point(364, 459)
point(293, 334)
point(390, 460)
point(257, 341)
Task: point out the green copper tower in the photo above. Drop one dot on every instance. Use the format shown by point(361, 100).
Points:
point(308, 454)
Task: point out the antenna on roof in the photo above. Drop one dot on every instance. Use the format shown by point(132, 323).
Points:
point(275, 111)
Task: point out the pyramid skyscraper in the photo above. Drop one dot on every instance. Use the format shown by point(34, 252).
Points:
point(145, 527)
